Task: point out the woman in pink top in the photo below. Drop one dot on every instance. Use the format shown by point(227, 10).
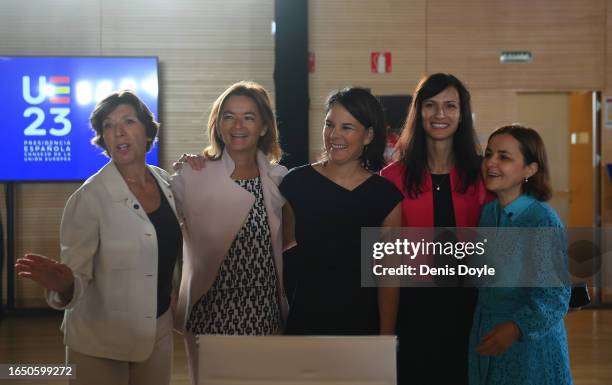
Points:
point(438, 172)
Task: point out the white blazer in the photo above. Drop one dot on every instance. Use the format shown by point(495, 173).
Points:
point(110, 244)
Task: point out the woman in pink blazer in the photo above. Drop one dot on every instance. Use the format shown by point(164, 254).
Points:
point(231, 211)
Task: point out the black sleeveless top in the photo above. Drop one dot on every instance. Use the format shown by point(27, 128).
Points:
point(169, 245)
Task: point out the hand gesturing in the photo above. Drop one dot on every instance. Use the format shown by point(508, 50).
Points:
point(48, 273)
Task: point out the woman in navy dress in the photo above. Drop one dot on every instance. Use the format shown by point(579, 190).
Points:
point(331, 201)
point(518, 336)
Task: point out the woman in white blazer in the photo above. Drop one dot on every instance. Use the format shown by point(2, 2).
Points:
point(231, 210)
point(120, 239)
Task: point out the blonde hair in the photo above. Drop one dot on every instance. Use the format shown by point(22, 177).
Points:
point(268, 143)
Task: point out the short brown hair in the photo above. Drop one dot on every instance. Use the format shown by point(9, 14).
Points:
point(107, 105)
point(366, 109)
point(533, 150)
point(268, 143)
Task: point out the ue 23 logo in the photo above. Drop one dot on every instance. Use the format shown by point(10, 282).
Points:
point(59, 88)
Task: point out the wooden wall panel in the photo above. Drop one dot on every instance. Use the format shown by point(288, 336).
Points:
point(548, 113)
point(608, 46)
point(187, 24)
point(315, 136)
point(606, 184)
point(38, 212)
point(493, 109)
point(203, 46)
point(49, 27)
point(342, 35)
point(606, 134)
point(566, 38)
point(606, 193)
point(606, 150)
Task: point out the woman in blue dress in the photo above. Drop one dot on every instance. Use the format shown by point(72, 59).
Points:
point(518, 336)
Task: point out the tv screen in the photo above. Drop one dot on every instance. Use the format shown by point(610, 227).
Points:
point(45, 106)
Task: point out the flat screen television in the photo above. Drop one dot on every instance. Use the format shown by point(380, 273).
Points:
point(45, 104)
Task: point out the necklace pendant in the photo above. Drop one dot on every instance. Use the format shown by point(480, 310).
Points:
point(438, 188)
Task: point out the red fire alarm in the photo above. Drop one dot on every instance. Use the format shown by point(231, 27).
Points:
point(380, 62)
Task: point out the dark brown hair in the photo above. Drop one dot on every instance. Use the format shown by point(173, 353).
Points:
point(533, 150)
point(107, 105)
point(411, 148)
point(366, 109)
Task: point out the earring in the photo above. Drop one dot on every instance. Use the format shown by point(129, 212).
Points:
point(526, 180)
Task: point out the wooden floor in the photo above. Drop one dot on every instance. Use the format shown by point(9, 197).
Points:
point(37, 339)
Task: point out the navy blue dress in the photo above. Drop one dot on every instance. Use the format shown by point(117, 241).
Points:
point(328, 298)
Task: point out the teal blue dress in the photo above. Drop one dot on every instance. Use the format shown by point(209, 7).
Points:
point(540, 356)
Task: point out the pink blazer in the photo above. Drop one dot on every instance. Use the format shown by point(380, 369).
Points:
point(213, 209)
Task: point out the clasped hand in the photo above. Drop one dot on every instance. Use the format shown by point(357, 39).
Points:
point(499, 339)
point(197, 162)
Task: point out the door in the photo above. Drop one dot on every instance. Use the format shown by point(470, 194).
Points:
point(548, 114)
point(581, 209)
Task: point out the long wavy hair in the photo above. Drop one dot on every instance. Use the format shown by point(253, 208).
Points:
point(411, 148)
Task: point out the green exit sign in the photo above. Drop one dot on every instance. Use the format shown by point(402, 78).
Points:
point(516, 57)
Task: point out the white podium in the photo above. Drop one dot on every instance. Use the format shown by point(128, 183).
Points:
point(296, 360)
